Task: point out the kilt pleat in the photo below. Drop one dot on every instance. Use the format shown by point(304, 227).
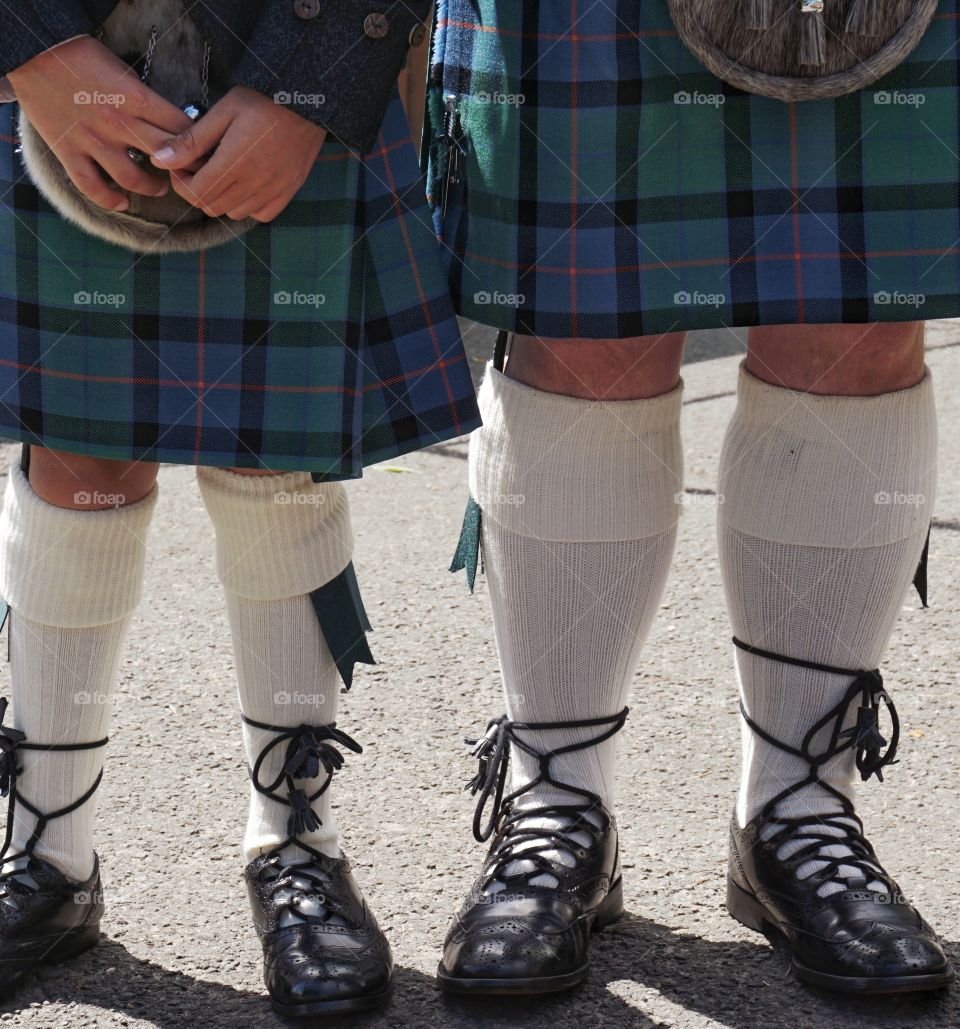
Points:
point(610, 186)
point(323, 342)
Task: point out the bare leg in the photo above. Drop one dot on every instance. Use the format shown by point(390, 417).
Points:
point(840, 360)
point(598, 369)
point(85, 483)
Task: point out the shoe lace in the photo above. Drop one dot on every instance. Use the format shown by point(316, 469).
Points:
point(812, 836)
point(12, 742)
point(310, 750)
point(299, 888)
point(529, 832)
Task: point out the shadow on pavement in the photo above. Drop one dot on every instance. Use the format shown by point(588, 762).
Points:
point(741, 984)
point(737, 984)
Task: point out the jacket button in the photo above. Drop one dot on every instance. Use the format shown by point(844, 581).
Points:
point(416, 35)
point(307, 9)
point(376, 26)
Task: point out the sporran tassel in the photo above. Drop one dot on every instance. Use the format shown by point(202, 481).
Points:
point(813, 38)
point(759, 14)
point(863, 18)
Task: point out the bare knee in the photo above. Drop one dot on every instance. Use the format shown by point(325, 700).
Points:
point(841, 360)
point(598, 369)
point(87, 483)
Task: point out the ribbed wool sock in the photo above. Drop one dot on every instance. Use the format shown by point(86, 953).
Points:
point(826, 503)
point(72, 580)
point(278, 538)
point(580, 506)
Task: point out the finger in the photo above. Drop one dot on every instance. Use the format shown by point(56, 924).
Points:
point(130, 176)
point(237, 195)
point(220, 172)
point(191, 170)
point(246, 208)
point(140, 101)
point(183, 185)
point(166, 116)
point(210, 199)
point(225, 166)
point(271, 210)
point(231, 191)
point(144, 136)
point(151, 107)
point(87, 177)
point(199, 139)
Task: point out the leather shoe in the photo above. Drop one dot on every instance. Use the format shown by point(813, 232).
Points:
point(846, 921)
point(525, 925)
point(857, 940)
point(45, 918)
point(323, 951)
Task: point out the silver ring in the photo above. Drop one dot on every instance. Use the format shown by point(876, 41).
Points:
point(137, 156)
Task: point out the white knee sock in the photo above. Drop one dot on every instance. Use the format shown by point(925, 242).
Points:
point(580, 505)
point(72, 580)
point(278, 538)
point(826, 502)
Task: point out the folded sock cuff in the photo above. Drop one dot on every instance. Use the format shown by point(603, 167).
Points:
point(71, 568)
point(277, 536)
point(562, 468)
point(834, 471)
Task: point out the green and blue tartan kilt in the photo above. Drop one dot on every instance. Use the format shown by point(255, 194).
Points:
point(610, 186)
point(324, 341)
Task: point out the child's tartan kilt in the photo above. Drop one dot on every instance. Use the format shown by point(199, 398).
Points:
point(322, 342)
point(611, 186)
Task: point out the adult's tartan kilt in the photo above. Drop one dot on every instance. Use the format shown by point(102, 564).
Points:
point(322, 342)
point(611, 186)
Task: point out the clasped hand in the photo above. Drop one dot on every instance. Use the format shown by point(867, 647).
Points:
point(225, 163)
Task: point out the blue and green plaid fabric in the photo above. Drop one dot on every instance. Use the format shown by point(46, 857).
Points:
point(610, 186)
point(323, 342)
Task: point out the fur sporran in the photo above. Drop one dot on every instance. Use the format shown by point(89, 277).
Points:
point(160, 41)
point(801, 49)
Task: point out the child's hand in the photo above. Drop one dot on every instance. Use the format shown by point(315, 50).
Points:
point(90, 108)
point(262, 155)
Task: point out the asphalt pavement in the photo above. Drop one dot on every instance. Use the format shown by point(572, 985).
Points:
point(178, 949)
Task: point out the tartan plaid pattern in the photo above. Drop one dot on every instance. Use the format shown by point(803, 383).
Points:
point(613, 187)
point(323, 342)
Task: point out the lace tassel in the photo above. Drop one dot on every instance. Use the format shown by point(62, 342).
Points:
point(813, 39)
point(760, 14)
point(863, 18)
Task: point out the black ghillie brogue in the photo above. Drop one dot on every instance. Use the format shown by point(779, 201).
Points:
point(551, 876)
point(44, 916)
point(323, 952)
point(860, 935)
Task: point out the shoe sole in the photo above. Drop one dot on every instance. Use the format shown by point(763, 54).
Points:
point(63, 947)
point(748, 911)
point(331, 1007)
point(608, 912)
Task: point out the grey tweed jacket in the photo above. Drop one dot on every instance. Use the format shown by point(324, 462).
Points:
point(348, 51)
